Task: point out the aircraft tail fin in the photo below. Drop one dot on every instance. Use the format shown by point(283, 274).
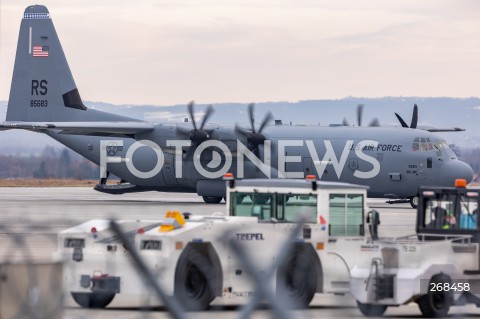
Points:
point(42, 86)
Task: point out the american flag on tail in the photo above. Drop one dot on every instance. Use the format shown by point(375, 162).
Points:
point(40, 51)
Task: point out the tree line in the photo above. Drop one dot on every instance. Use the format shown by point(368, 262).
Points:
point(50, 163)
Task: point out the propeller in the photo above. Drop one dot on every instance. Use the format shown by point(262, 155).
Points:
point(374, 122)
point(254, 137)
point(414, 122)
point(197, 135)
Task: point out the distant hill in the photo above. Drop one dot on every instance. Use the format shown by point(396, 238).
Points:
point(438, 112)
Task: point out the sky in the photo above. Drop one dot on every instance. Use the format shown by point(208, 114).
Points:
point(173, 51)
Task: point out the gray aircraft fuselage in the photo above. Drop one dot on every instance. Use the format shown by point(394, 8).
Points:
point(401, 168)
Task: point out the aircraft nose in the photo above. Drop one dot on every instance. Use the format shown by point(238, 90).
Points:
point(452, 170)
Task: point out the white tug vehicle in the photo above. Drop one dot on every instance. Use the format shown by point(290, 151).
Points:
point(438, 267)
point(192, 259)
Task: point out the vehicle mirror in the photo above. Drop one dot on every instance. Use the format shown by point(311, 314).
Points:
point(373, 220)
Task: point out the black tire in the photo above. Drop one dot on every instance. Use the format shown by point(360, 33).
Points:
point(369, 310)
point(194, 280)
point(297, 278)
point(212, 199)
point(436, 304)
point(97, 300)
point(414, 201)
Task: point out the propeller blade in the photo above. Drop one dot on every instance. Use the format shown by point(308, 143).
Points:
point(251, 107)
point(267, 119)
point(191, 113)
point(414, 117)
point(253, 137)
point(402, 122)
point(359, 114)
point(207, 114)
point(374, 122)
point(345, 122)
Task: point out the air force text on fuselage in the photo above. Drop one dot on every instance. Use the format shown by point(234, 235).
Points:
point(222, 157)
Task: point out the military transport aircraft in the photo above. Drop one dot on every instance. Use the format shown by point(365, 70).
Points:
point(193, 157)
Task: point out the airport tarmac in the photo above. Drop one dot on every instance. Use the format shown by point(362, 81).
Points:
point(30, 218)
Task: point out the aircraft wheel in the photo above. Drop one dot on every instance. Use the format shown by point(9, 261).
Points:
point(93, 300)
point(369, 310)
point(297, 278)
point(414, 201)
point(194, 279)
point(436, 304)
point(212, 199)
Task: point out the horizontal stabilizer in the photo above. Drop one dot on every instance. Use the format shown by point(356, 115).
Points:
point(84, 128)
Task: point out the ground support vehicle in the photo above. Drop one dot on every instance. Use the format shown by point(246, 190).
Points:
point(437, 268)
point(192, 256)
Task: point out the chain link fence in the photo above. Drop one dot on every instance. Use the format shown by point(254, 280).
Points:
point(32, 279)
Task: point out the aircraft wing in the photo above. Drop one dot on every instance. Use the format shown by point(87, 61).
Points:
point(441, 129)
point(83, 128)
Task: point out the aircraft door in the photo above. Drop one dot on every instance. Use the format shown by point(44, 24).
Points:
point(425, 171)
point(168, 169)
point(429, 170)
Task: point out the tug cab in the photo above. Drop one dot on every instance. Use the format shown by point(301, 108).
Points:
point(446, 212)
point(340, 207)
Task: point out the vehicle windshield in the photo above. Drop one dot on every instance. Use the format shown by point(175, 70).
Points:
point(282, 207)
point(452, 211)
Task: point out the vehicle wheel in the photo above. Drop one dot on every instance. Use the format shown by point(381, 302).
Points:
point(93, 299)
point(212, 199)
point(436, 304)
point(297, 278)
point(369, 310)
point(194, 278)
point(414, 201)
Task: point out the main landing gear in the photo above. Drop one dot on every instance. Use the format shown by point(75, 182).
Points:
point(413, 201)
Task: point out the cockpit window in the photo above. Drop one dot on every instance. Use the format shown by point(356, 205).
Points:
point(422, 144)
point(438, 150)
point(442, 146)
point(449, 151)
